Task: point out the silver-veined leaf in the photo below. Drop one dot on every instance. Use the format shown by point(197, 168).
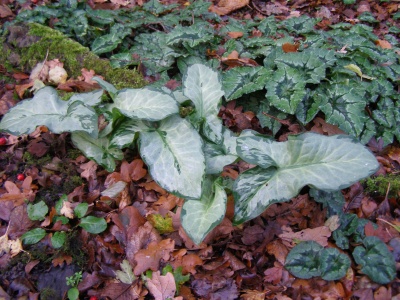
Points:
point(97, 149)
point(326, 163)
point(200, 216)
point(47, 109)
point(91, 98)
point(145, 104)
point(175, 157)
point(202, 85)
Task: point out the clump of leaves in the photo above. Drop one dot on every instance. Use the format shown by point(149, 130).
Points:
point(73, 281)
point(186, 155)
point(65, 211)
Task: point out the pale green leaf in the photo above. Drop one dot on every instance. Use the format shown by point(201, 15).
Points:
point(38, 211)
point(175, 157)
point(145, 104)
point(199, 217)
point(97, 149)
point(126, 275)
point(91, 98)
point(81, 209)
point(33, 236)
point(47, 109)
point(202, 85)
point(326, 163)
point(93, 224)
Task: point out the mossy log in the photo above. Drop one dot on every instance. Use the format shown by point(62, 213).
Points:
point(27, 44)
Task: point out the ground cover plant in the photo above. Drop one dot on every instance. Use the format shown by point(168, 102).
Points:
point(199, 185)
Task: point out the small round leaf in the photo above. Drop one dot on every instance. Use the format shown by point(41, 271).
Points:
point(33, 236)
point(303, 260)
point(58, 239)
point(334, 264)
point(93, 224)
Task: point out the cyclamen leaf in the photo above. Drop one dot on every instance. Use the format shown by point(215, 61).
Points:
point(326, 163)
point(47, 109)
point(244, 80)
point(190, 36)
point(175, 157)
point(199, 217)
point(286, 89)
point(106, 43)
point(97, 149)
point(202, 85)
point(376, 260)
point(342, 106)
point(145, 104)
point(125, 134)
point(309, 259)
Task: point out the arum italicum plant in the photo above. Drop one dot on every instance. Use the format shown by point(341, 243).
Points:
point(185, 155)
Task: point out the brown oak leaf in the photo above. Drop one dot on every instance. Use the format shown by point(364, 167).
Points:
point(150, 258)
point(162, 287)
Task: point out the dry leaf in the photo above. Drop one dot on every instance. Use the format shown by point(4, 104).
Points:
point(383, 44)
point(59, 261)
point(288, 47)
point(319, 235)
point(224, 7)
point(5, 11)
point(67, 210)
point(274, 274)
point(235, 34)
point(162, 287)
point(150, 258)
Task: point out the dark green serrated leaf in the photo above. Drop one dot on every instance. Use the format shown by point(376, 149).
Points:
point(376, 260)
point(333, 201)
point(304, 261)
point(334, 264)
point(286, 89)
point(244, 80)
point(311, 64)
point(190, 36)
point(93, 224)
point(300, 25)
point(343, 107)
point(106, 43)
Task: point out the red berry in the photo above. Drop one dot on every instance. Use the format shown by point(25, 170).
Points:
point(3, 141)
point(20, 177)
point(93, 298)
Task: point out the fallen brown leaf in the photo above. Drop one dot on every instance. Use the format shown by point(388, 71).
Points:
point(162, 287)
point(150, 258)
point(319, 235)
point(224, 7)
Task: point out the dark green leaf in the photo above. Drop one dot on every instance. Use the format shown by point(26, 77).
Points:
point(376, 260)
point(244, 80)
point(304, 260)
point(334, 264)
point(58, 239)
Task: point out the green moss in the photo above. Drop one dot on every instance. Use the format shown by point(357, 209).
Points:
point(73, 153)
point(31, 160)
point(379, 185)
point(47, 294)
point(74, 56)
point(70, 183)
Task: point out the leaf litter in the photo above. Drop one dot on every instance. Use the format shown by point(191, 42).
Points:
point(246, 262)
